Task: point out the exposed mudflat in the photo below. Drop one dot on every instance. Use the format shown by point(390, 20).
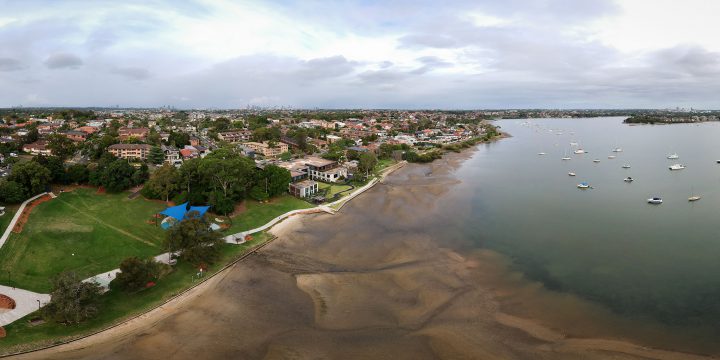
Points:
point(383, 279)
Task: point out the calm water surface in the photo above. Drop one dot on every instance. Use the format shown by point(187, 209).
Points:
point(606, 244)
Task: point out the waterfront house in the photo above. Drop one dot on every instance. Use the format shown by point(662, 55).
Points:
point(325, 170)
point(303, 189)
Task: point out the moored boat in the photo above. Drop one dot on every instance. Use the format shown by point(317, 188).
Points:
point(676, 167)
point(628, 179)
point(626, 166)
point(571, 174)
point(583, 185)
point(694, 198)
point(673, 156)
point(655, 200)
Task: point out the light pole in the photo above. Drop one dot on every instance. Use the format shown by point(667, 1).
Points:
point(38, 300)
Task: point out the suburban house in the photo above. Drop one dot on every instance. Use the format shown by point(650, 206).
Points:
point(87, 129)
point(191, 152)
point(125, 133)
point(37, 148)
point(172, 155)
point(303, 189)
point(325, 170)
point(130, 151)
point(77, 136)
point(235, 136)
point(266, 150)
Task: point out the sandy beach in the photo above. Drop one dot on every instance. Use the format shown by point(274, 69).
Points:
point(372, 281)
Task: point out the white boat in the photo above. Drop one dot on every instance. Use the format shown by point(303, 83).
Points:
point(571, 174)
point(579, 151)
point(573, 143)
point(541, 153)
point(583, 185)
point(677, 167)
point(628, 179)
point(655, 200)
point(566, 157)
point(626, 166)
point(596, 160)
point(611, 156)
point(617, 149)
point(693, 197)
point(673, 156)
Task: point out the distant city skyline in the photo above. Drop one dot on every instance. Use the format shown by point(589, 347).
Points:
point(494, 54)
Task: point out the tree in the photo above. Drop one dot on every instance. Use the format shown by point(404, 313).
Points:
point(179, 139)
point(190, 175)
point(258, 193)
point(286, 156)
point(33, 177)
point(141, 174)
point(221, 204)
point(274, 180)
point(115, 175)
point(163, 183)
point(11, 192)
point(136, 273)
point(78, 174)
point(32, 136)
point(72, 301)
point(61, 146)
point(228, 172)
point(56, 167)
point(367, 163)
point(156, 155)
point(195, 241)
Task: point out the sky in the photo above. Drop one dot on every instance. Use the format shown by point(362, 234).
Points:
point(407, 54)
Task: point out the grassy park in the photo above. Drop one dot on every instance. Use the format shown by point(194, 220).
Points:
point(333, 189)
point(81, 231)
point(259, 213)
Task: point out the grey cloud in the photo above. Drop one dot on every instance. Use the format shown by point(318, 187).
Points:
point(10, 64)
point(328, 67)
point(687, 60)
point(63, 61)
point(430, 63)
point(133, 73)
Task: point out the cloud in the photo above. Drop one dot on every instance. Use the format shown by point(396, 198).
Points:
point(132, 73)
point(63, 61)
point(10, 64)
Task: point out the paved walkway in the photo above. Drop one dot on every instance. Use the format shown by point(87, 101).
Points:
point(16, 217)
point(25, 303)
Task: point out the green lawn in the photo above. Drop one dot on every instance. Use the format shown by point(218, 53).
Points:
point(100, 230)
point(258, 214)
point(5, 219)
point(333, 189)
point(117, 305)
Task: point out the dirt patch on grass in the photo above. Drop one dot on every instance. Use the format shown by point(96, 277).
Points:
point(57, 189)
point(6, 302)
point(26, 212)
point(239, 209)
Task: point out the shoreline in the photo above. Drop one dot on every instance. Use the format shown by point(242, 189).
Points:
point(553, 339)
point(272, 227)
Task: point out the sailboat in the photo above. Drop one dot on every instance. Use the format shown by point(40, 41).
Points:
point(566, 157)
point(693, 197)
